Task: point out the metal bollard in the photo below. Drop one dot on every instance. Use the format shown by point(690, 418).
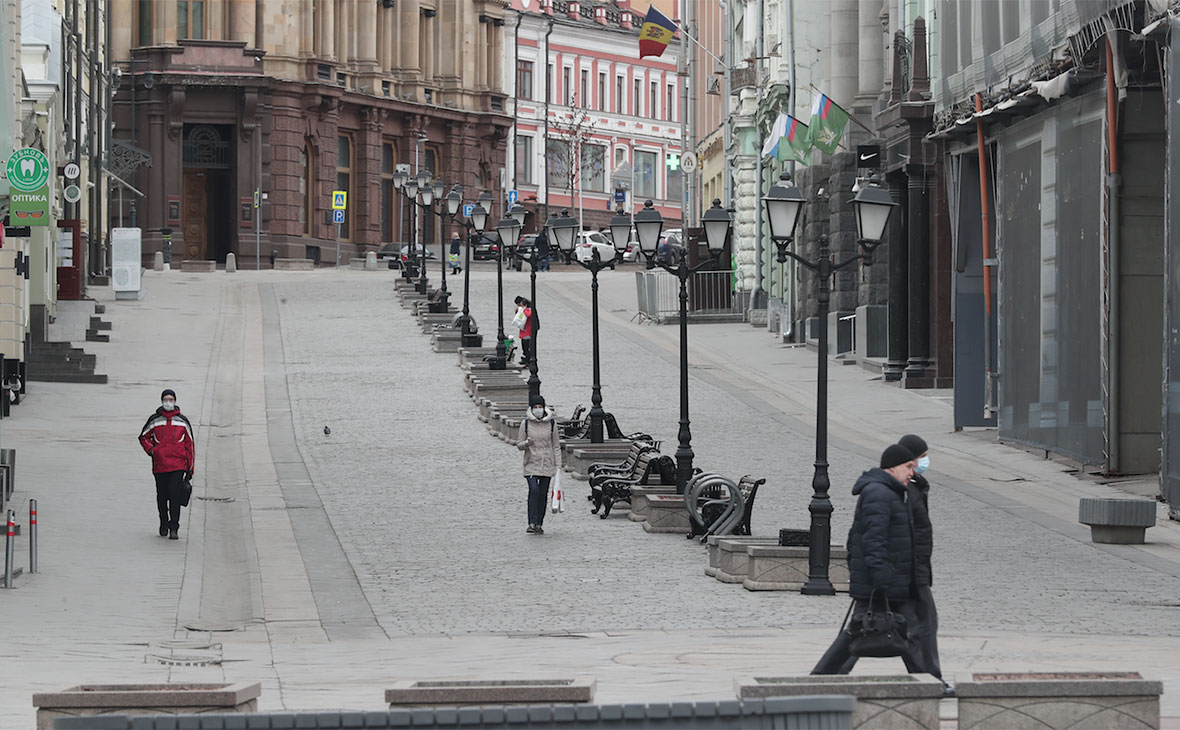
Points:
point(32, 536)
point(9, 547)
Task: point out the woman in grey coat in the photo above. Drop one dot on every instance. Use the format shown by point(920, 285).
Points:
point(540, 441)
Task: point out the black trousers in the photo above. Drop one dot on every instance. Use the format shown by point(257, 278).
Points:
point(839, 660)
point(526, 349)
point(169, 488)
point(928, 626)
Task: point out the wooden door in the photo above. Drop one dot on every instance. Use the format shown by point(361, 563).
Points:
point(195, 208)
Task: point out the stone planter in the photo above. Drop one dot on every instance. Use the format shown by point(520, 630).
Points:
point(446, 340)
point(666, 513)
point(1078, 701)
point(732, 558)
point(639, 503)
point(1117, 521)
point(775, 568)
point(487, 692)
point(890, 702)
point(87, 700)
point(610, 451)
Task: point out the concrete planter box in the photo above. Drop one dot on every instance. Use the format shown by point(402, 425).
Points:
point(469, 355)
point(733, 560)
point(775, 568)
point(485, 692)
point(446, 340)
point(639, 499)
point(1117, 521)
point(1078, 701)
point(891, 702)
point(88, 700)
point(580, 459)
point(666, 513)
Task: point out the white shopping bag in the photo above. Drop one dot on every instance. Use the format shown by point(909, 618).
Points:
point(557, 501)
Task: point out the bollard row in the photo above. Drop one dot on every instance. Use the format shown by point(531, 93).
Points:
point(10, 544)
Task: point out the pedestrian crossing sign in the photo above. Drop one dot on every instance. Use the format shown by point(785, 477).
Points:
point(339, 200)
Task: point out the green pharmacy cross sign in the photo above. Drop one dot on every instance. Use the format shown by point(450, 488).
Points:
point(672, 161)
point(27, 170)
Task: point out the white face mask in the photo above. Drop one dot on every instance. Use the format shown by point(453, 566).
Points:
point(538, 412)
point(923, 464)
point(168, 405)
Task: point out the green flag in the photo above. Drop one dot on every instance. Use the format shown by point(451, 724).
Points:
point(796, 143)
point(828, 120)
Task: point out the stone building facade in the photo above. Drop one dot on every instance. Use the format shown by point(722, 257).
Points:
point(296, 99)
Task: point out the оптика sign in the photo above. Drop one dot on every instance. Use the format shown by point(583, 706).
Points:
point(29, 209)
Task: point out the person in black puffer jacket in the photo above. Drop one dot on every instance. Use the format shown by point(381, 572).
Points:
point(880, 554)
point(917, 497)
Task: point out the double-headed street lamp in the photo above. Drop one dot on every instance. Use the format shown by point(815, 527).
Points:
point(784, 204)
point(563, 229)
point(407, 185)
point(508, 229)
point(538, 254)
point(718, 223)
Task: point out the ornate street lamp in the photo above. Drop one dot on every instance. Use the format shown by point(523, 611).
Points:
point(507, 230)
point(784, 204)
point(564, 229)
point(718, 223)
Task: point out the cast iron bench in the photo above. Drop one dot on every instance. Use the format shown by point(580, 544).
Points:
point(611, 489)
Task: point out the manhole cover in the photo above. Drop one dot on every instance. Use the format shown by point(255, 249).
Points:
point(182, 661)
point(217, 499)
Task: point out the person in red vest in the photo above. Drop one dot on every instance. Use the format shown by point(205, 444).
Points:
point(167, 437)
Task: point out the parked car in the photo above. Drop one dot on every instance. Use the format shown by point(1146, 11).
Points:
point(523, 249)
point(386, 253)
point(670, 248)
point(589, 241)
point(487, 246)
point(631, 253)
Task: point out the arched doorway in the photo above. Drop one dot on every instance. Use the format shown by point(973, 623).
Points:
point(208, 212)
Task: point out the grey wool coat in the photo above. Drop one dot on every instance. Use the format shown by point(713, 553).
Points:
point(543, 458)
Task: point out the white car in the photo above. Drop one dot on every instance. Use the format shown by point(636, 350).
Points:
point(589, 241)
point(631, 253)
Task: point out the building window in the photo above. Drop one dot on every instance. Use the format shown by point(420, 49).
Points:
point(669, 103)
point(557, 163)
point(143, 22)
point(549, 84)
point(389, 217)
point(584, 99)
point(653, 101)
point(594, 168)
point(601, 91)
point(306, 183)
point(567, 85)
point(620, 155)
point(637, 100)
point(524, 160)
point(620, 99)
point(645, 173)
point(190, 19)
point(524, 79)
point(344, 180)
point(674, 189)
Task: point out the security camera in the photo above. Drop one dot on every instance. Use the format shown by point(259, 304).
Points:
point(258, 59)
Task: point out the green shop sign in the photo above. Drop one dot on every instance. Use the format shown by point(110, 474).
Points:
point(29, 209)
point(27, 170)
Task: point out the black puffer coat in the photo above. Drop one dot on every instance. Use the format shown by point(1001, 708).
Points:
point(917, 498)
point(881, 541)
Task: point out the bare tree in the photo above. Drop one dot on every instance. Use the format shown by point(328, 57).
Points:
point(569, 154)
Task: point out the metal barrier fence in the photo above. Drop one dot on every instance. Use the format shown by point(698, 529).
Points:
point(710, 297)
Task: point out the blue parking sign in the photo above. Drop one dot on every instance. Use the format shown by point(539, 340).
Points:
point(467, 209)
point(337, 216)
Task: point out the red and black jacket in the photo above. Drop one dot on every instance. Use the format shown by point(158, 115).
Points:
point(167, 437)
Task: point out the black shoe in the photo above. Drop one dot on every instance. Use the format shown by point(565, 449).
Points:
point(947, 690)
point(172, 535)
point(531, 529)
point(163, 530)
point(539, 531)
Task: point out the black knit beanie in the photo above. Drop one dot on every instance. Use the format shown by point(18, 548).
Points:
point(536, 400)
point(895, 455)
point(914, 443)
point(168, 391)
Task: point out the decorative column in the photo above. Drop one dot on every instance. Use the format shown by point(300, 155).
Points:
point(871, 57)
point(306, 28)
point(166, 23)
point(366, 31)
point(389, 23)
point(327, 34)
point(745, 216)
point(844, 19)
point(481, 54)
point(122, 31)
point(241, 21)
point(409, 16)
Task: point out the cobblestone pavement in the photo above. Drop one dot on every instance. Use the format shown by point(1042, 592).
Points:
point(431, 508)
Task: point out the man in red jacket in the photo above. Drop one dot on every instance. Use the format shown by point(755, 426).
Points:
point(167, 437)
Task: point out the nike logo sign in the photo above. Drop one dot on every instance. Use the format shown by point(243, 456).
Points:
point(868, 157)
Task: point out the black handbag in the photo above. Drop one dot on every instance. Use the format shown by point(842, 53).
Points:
point(186, 492)
point(876, 630)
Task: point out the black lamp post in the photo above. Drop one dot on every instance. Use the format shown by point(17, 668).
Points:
point(784, 203)
point(507, 230)
point(718, 223)
point(563, 229)
point(426, 192)
point(477, 221)
point(409, 266)
point(439, 188)
point(533, 259)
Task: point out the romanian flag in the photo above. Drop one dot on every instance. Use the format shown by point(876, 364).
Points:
point(656, 33)
point(828, 120)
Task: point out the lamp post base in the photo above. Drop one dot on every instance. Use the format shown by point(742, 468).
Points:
point(818, 587)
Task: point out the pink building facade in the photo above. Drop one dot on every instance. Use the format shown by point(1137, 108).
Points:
point(595, 128)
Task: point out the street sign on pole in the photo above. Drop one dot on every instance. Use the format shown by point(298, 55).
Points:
point(339, 200)
point(513, 196)
point(27, 170)
point(337, 216)
point(467, 209)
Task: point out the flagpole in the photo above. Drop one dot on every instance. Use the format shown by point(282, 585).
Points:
point(682, 77)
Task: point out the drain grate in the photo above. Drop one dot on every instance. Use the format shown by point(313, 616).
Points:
point(182, 661)
point(217, 499)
